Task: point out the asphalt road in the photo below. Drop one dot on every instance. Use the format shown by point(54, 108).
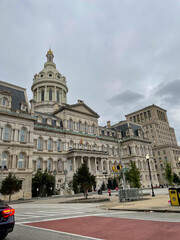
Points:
point(77, 215)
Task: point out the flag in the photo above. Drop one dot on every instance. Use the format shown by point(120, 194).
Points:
point(81, 142)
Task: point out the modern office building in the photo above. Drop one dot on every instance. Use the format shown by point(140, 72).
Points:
point(156, 126)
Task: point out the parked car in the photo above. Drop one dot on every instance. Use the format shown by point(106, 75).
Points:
point(7, 219)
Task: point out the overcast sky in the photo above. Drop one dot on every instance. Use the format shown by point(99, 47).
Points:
point(117, 55)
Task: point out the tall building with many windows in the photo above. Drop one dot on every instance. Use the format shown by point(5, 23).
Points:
point(164, 144)
point(56, 136)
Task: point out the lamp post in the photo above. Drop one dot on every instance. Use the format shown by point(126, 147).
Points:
point(147, 158)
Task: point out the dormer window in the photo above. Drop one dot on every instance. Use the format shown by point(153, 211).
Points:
point(49, 121)
point(50, 75)
point(23, 107)
point(4, 102)
point(42, 75)
point(58, 76)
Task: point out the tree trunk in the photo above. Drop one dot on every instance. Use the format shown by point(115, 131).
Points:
point(9, 197)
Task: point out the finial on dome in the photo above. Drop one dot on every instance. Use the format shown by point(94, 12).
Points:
point(50, 51)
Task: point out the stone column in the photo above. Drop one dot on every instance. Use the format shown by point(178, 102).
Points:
point(89, 164)
point(95, 165)
point(102, 165)
point(133, 149)
point(55, 94)
point(81, 160)
point(107, 164)
point(45, 93)
point(13, 161)
point(37, 94)
point(74, 164)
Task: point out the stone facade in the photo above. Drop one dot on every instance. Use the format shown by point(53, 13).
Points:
point(53, 135)
point(164, 144)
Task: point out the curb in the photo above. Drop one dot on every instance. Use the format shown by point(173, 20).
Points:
point(145, 210)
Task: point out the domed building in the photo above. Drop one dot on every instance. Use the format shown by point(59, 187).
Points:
point(58, 137)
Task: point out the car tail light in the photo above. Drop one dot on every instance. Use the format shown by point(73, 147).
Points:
point(8, 212)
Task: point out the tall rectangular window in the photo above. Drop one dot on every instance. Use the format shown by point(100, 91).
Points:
point(57, 93)
point(50, 94)
point(42, 95)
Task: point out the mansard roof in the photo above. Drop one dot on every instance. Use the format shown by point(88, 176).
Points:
point(123, 126)
point(79, 107)
point(18, 94)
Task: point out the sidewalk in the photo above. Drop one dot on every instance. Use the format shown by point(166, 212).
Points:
point(159, 203)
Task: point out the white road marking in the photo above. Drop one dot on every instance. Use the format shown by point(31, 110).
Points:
point(72, 234)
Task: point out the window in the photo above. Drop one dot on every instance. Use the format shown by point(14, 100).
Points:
point(4, 102)
point(79, 126)
point(70, 124)
point(85, 127)
point(42, 95)
point(93, 129)
point(38, 164)
point(40, 144)
point(50, 75)
point(21, 160)
point(23, 135)
point(58, 145)
point(50, 94)
point(57, 95)
point(50, 143)
point(7, 133)
point(49, 165)
point(4, 160)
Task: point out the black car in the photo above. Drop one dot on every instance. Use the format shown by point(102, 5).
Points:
point(6, 219)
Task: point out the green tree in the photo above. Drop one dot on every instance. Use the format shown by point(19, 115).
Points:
point(176, 179)
point(110, 183)
point(115, 183)
point(10, 185)
point(84, 180)
point(45, 182)
point(133, 175)
point(168, 173)
point(75, 184)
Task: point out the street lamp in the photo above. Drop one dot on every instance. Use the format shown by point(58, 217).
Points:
point(147, 158)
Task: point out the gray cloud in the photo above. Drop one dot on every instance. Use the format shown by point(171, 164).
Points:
point(102, 47)
point(125, 98)
point(169, 93)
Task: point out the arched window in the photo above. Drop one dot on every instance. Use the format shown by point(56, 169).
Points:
point(39, 164)
point(4, 160)
point(85, 127)
point(49, 165)
point(50, 94)
point(58, 145)
point(93, 129)
point(79, 126)
point(7, 133)
point(23, 135)
point(4, 102)
point(50, 144)
point(21, 160)
point(42, 95)
point(40, 144)
point(70, 124)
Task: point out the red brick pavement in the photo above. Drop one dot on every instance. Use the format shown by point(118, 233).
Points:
point(114, 228)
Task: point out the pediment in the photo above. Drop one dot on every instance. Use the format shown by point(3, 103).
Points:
point(83, 108)
point(79, 108)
